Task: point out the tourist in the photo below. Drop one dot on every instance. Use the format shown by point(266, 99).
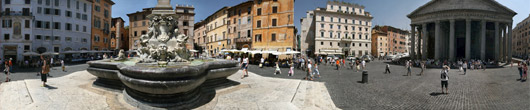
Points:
point(445, 79)
point(316, 71)
point(358, 65)
point(277, 71)
point(387, 68)
point(520, 68)
point(363, 63)
point(105, 56)
point(262, 60)
point(343, 63)
point(525, 71)
point(465, 67)
point(308, 75)
point(11, 65)
point(245, 67)
point(337, 64)
point(408, 66)
point(351, 64)
point(6, 71)
point(45, 70)
point(422, 66)
point(62, 65)
point(291, 69)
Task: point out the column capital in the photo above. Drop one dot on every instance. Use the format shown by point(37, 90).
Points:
point(452, 21)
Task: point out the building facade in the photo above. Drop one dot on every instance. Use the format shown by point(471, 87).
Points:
point(397, 39)
point(216, 32)
point(45, 26)
point(119, 35)
point(273, 25)
point(521, 34)
point(138, 24)
point(380, 42)
point(455, 29)
point(101, 19)
point(185, 21)
point(240, 25)
point(339, 29)
point(199, 38)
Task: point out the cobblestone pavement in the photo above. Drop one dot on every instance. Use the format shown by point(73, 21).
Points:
point(31, 73)
point(491, 89)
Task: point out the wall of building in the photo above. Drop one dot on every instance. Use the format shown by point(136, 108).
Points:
point(138, 23)
point(521, 34)
point(240, 25)
point(284, 31)
point(101, 19)
point(217, 32)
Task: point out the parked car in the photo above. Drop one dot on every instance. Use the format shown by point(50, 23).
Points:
point(350, 58)
point(367, 58)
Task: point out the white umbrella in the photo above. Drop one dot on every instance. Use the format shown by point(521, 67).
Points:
point(194, 51)
point(83, 51)
point(50, 53)
point(30, 54)
point(224, 50)
point(69, 52)
point(292, 52)
point(131, 51)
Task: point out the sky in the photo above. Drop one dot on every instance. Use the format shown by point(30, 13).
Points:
point(385, 12)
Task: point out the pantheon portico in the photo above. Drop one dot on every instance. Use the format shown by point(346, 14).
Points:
point(461, 29)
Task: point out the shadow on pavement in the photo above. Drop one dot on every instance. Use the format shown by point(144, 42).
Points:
point(50, 87)
point(435, 93)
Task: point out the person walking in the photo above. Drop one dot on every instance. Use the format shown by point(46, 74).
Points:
point(358, 65)
point(45, 71)
point(262, 60)
point(445, 78)
point(6, 71)
point(277, 71)
point(465, 67)
point(409, 65)
point(387, 69)
point(62, 65)
point(10, 65)
point(422, 66)
point(337, 64)
point(245, 67)
point(363, 63)
point(315, 71)
point(525, 71)
point(309, 72)
point(291, 69)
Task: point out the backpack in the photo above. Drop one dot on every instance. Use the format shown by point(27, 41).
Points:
point(444, 75)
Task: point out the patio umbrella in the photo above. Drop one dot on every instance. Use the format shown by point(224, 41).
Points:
point(30, 54)
point(69, 52)
point(50, 53)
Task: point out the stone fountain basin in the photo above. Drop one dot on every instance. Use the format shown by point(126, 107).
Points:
point(173, 79)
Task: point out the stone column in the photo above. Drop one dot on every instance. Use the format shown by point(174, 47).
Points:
point(497, 43)
point(503, 42)
point(468, 39)
point(452, 40)
point(419, 46)
point(437, 43)
point(412, 42)
point(510, 43)
point(425, 36)
point(483, 41)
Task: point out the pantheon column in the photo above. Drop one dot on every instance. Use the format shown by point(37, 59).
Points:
point(437, 42)
point(510, 42)
point(412, 42)
point(483, 41)
point(497, 43)
point(425, 36)
point(468, 39)
point(452, 40)
point(503, 42)
point(419, 43)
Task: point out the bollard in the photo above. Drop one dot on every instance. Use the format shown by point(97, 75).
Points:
point(365, 77)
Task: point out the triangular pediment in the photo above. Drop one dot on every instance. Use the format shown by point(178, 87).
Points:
point(444, 5)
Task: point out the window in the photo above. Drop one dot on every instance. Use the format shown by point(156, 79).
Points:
point(143, 23)
point(57, 12)
point(56, 2)
point(259, 10)
point(77, 5)
point(26, 47)
point(47, 2)
point(338, 44)
point(274, 22)
point(56, 25)
point(249, 9)
point(331, 18)
point(84, 7)
point(259, 1)
point(68, 3)
point(7, 1)
point(258, 24)
point(57, 38)
point(38, 37)
point(185, 23)
point(85, 17)
point(321, 34)
point(47, 25)
point(68, 13)
point(330, 35)
point(97, 8)
point(106, 13)
point(257, 38)
point(353, 44)
point(6, 36)
point(321, 43)
point(78, 15)
point(360, 36)
point(47, 11)
point(84, 28)
point(39, 10)
point(38, 24)
point(339, 20)
point(330, 43)
point(273, 37)
point(68, 26)
point(77, 27)
point(338, 35)
point(331, 26)
point(39, 2)
point(338, 26)
point(68, 39)
point(275, 9)
point(26, 24)
point(321, 25)
point(322, 18)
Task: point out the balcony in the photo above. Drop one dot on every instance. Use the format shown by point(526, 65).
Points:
point(16, 13)
point(348, 39)
point(243, 40)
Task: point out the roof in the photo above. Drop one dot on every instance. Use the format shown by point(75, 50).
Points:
point(487, 5)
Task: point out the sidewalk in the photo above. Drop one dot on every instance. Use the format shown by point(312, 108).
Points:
point(75, 91)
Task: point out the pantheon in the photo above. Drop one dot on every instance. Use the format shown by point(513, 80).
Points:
point(461, 29)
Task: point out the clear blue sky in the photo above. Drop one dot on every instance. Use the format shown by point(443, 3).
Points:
point(385, 12)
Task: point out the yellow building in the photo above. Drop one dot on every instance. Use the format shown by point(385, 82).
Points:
point(216, 32)
point(379, 43)
point(273, 25)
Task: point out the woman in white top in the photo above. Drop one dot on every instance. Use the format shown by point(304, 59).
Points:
point(277, 71)
point(245, 67)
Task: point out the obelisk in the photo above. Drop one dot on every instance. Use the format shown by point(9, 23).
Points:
point(163, 7)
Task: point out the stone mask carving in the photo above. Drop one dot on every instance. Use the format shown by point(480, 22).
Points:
point(163, 42)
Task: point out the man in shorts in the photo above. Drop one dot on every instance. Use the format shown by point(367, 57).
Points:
point(445, 78)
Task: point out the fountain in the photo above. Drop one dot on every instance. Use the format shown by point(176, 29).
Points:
point(163, 75)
